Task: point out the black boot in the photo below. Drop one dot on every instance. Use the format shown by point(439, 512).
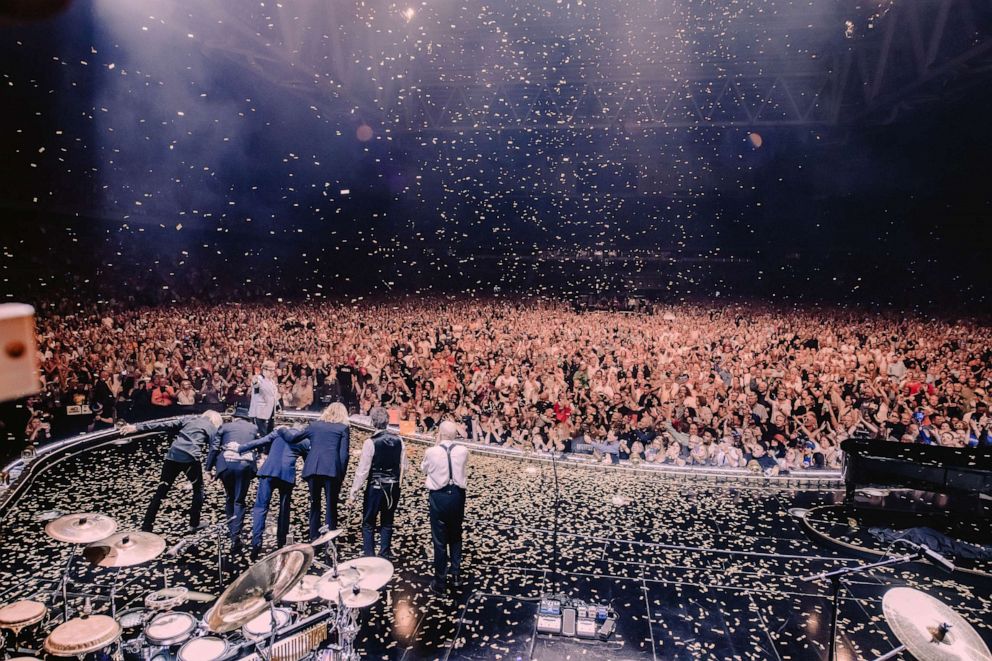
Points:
point(254, 553)
point(385, 537)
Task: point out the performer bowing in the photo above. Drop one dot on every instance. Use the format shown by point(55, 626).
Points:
point(184, 456)
point(234, 469)
point(278, 473)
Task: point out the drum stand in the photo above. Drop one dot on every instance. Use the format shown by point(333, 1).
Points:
point(346, 622)
point(837, 580)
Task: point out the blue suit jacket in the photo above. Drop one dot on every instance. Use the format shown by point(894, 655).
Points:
point(238, 431)
point(286, 448)
point(328, 449)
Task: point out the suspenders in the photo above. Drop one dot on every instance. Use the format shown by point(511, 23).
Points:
point(451, 470)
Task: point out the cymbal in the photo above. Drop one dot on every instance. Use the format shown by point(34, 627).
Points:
point(82, 635)
point(185, 593)
point(373, 572)
point(329, 587)
point(267, 580)
point(360, 599)
point(917, 620)
point(125, 549)
point(305, 590)
point(326, 537)
point(81, 528)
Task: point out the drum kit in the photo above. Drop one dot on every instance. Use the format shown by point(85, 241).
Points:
point(274, 609)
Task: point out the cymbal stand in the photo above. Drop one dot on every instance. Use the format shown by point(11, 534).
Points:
point(346, 622)
point(64, 582)
point(837, 580)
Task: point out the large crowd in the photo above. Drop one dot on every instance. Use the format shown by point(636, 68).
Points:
point(739, 386)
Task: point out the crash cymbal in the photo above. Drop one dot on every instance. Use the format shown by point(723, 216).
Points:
point(373, 572)
point(305, 590)
point(267, 580)
point(81, 528)
point(930, 629)
point(82, 635)
point(125, 549)
point(326, 537)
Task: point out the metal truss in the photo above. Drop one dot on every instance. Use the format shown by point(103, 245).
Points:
point(750, 101)
point(910, 50)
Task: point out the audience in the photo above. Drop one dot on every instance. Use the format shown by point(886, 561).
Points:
point(769, 389)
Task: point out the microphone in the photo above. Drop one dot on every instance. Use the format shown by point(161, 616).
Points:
point(931, 555)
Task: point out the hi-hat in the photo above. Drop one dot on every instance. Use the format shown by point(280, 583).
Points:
point(81, 528)
point(125, 549)
point(373, 572)
point(266, 581)
point(349, 596)
point(330, 587)
point(326, 537)
point(360, 599)
point(930, 629)
point(305, 590)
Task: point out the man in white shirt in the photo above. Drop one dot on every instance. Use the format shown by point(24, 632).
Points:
point(445, 464)
point(264, 396)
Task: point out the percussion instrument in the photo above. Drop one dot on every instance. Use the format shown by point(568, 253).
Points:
point(82, 528)
point(205, 648)
point(261, 584)
point(82, 635)
point(125, 549)
point(305, 590)
point(170, 628)
point(165, 599)
point(326, 537)
point(929, 629)
point(20, 614)
point(373, 572)
point(260, 626)
point(359, 599)
point(133, 618)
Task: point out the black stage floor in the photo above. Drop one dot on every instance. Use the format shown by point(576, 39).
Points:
point(696, 571)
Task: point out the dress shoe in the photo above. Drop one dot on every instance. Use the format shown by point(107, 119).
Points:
point(437, 587)
point(198, 527)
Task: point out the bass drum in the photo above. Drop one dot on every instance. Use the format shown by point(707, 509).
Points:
point(205, 648)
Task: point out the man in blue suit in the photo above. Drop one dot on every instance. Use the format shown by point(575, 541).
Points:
point(326, 464)
point(278, 473)
point(235, 470)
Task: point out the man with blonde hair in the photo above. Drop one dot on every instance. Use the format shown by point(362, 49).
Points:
point(326, 464)
point(195, 433)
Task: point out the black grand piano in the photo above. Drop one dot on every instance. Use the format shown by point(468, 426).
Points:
point(952, 471)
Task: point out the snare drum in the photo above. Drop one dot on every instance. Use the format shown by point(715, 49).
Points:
point(171, 628)
point(259, 627)
point(205, 648)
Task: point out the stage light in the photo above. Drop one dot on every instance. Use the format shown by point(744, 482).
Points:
point(409, 13)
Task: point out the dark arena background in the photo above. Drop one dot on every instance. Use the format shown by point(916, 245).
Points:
point(547, 329)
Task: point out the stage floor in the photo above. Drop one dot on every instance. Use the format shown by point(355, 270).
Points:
point(696, 571)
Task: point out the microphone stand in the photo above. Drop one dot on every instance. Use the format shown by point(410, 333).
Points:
point(837, 579)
